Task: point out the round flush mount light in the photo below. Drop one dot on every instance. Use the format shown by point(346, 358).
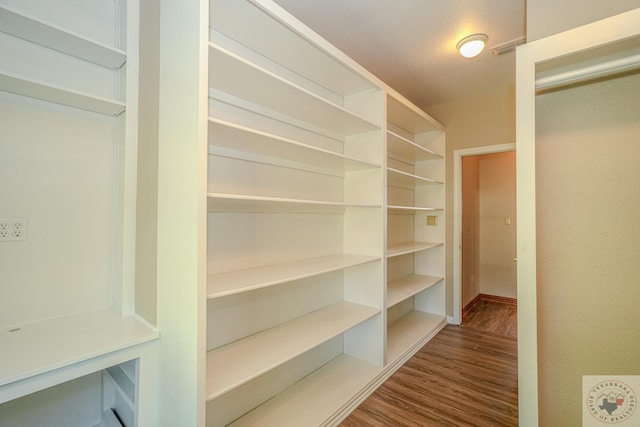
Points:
point(471, 46)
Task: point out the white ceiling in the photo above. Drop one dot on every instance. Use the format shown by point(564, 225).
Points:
point(411, 44)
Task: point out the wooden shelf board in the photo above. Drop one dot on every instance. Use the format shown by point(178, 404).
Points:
point(408, 286)
point(59, 95)
point(266, 350)
point(35, 348)
point(54, 37)
point(411, 330)
point(228, 283)
point(397, 178)
point(218, 202)
point(315, 398)
point(407, 150)
point(410, 247)
point(236, 76)
point(237, 137)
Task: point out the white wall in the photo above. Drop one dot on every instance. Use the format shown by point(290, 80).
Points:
point(497, 204)
point(147, 195)
point(547, 17)
point(57, 171)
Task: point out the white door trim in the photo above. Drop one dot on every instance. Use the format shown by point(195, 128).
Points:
point(457, 218)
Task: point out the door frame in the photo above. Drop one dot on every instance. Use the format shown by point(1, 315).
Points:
point(457, 218)
point(583, 39)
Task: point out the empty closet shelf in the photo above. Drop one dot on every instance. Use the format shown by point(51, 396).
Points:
point(266, 350)
point(227, 283)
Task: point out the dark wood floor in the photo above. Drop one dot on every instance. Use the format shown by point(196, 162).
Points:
point(465, 376)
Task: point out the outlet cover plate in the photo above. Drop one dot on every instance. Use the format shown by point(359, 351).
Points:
point(13, 229)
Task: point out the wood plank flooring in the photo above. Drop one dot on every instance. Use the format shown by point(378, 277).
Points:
point(495, 317)
point(464, 376)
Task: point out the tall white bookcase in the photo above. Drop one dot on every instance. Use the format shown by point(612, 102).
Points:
point(294, 253)
point(73, 350)
point(416, 293)
point(304, 184)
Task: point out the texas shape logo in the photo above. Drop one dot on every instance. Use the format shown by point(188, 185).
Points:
point(611, 401)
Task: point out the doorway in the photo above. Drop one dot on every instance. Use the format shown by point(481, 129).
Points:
point(491, 258)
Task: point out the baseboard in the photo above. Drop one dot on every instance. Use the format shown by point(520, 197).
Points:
point(487, 297)
point(495, 298)
point(471, 304)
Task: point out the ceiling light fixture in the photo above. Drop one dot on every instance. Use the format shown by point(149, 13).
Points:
point(472, 45)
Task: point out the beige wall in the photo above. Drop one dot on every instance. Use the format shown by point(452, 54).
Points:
point(479, 121)
point(470, 230)
point(547, 17)
point(488, 243)
point(497, 189)
point(588, 199)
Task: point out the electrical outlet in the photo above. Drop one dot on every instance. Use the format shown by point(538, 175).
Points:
point(13, 229)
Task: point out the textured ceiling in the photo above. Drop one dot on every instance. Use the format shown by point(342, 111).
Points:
point(411, 44)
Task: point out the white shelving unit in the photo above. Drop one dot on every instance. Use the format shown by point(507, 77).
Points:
point(295, 213)
point(415, 229)
point(67, 78)
point(285, 287)
point(20, 28)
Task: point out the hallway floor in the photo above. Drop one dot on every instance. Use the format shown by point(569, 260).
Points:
point(495, 317)
point(465, 376)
